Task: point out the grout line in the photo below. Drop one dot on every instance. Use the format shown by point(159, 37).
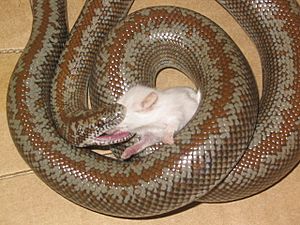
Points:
point(16, 174)
point(11, 50)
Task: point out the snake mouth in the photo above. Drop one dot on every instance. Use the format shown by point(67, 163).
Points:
point(114, 137)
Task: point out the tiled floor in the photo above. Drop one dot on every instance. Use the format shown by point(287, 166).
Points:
point(26, 200)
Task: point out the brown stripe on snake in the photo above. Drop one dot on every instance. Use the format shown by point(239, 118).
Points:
point(206, 150)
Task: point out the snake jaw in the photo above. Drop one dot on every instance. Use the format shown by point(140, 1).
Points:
point(114, 137)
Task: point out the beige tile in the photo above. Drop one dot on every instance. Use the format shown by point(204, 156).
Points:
point(15, 23)
point(16, 20)
point(172, 78)
point(26, 200)
point(74, 8)
point(10, 161)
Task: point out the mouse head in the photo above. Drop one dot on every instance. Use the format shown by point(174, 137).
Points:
point(139, 103)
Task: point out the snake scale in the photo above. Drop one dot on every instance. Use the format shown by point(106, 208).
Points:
point(228, 151)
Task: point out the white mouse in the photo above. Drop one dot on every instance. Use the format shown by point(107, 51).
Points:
point(155, 115)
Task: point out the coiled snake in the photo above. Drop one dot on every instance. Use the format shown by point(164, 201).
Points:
point(228, 151)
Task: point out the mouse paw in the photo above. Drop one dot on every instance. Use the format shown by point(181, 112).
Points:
point(168, 139)
point(130, 151)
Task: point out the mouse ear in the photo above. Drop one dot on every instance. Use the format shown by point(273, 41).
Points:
point(149, 100)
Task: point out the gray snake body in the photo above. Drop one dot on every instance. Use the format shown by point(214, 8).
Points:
point(211, 160)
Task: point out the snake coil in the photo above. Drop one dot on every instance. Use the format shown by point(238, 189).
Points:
point(228, 151)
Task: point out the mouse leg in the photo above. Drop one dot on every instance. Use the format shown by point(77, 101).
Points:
point(147, 140)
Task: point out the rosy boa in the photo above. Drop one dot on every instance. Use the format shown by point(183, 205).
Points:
point(221, 155)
